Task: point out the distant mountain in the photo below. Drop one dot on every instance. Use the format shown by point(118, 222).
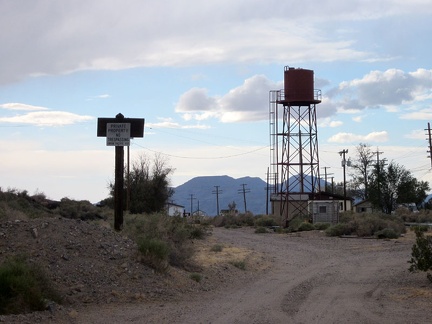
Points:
point(202, 190)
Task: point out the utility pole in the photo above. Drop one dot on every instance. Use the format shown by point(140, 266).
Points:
point(191, 200)
point(378, 166)
point(244, 191)
point(332, 191)
point(344, 162)
point(430, 142)
point(217, 192)
point(325, 176)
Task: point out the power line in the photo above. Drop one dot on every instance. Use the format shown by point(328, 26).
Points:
point(202, 157)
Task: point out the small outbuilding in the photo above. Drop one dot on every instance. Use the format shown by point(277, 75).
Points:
point(174, 209)
point(324, 211)
point(364, 206)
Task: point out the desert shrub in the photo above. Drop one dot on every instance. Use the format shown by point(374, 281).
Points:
point(321, 226)
point(366, 224)
point(296, 222)
point(421, 255)
point(241, 264)
point(386, 233)
point(24, 287)
point(345, 217)
point(265, 221)
point(216, 248)
point(423, 216)
point(234, 221)
point(338, 230)
point(303, 227)
point(82, 209)
point(370, 224)
point(260, 230)
point(225, 221)
point(19, 205)
point(197, 232)
point(421, 228)
point(154, 252)
point(281, 230)
point(246, 219)
point(196, 277)
point(174, 231)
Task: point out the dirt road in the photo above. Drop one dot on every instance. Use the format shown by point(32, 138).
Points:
point(313, 279)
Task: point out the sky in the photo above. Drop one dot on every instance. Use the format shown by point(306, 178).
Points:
point(199, 73)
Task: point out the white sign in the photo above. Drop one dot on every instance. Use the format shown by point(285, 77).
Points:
point(118, 134)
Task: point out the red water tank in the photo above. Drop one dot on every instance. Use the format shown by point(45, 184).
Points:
point(298, 85)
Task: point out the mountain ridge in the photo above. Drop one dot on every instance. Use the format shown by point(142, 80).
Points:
point(200, 193)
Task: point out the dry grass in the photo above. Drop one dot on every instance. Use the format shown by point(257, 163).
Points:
point(414, 295)
point(205, 257)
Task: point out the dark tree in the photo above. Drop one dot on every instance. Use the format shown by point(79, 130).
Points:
point(148, 183)
point(395, 185)
point(362, 170)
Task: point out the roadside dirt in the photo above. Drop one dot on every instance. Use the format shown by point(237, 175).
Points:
point(289, 278)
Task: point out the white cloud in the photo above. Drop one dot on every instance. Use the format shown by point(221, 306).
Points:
point(350, 137)
point(423, 114)
point(21, 107)
point(328, 122)
point(101, 96)
point(248, 102)
point(390, 87)
point(391, 90)
point(47, 118)
point(418, 134)
point(48, 37)
point(170, 123)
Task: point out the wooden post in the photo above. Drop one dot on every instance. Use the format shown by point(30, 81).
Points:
point(132, 127)
point(128, 179)
point(118, 189)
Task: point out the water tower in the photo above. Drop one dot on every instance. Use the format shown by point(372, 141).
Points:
point(294, 161)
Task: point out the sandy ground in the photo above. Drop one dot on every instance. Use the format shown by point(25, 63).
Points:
point(295, 278)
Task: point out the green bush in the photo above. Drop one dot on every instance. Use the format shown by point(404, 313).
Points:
point(217, 248)
point(322, 226)
point(260, 230)
point(296, 222)
point(421, 255)
point(154, 252)
point(18, 204)
point(366, 224)
point(265, 221)
point(174, 231)
point(233, 221)
point(338, 230)
point(239, 264)
point(197, 232)
point(24, 287)
point(196, 277)
point(82, 209)
point(246, 219)
point(421, 228)
point(387, 233)
point(303, 227)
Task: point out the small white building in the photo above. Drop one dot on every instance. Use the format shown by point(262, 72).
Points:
point(174, 209)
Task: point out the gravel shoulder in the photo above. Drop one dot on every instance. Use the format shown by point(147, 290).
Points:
point(289, 278)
